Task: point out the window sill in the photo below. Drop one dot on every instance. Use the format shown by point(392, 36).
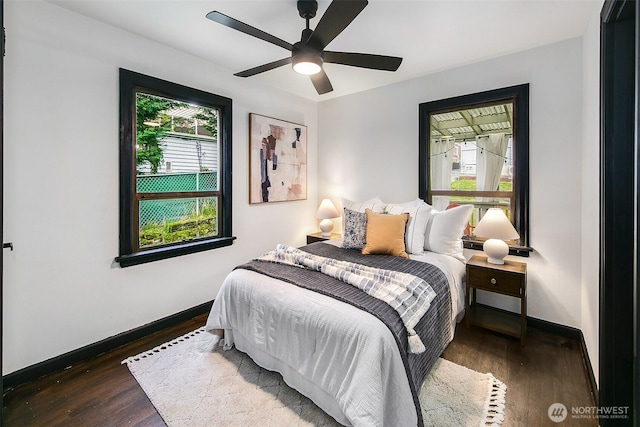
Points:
point(172, 251)
point(513, 249)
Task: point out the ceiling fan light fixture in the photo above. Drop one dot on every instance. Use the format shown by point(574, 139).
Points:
point(307, 64)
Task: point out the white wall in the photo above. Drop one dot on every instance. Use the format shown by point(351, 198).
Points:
point(590, 183)
point(61, 291)
point(368, 145)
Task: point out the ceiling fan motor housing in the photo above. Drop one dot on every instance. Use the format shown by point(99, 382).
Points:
point(307, 8)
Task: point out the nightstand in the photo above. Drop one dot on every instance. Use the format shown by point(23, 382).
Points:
point(508, 279)
point(318, 237)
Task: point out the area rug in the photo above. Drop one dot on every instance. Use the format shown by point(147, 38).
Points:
point(193, 382)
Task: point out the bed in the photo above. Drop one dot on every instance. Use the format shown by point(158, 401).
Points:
point(347, 358)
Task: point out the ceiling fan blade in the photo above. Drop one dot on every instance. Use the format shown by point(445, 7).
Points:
point(338, 15)
point(321, 82)
point(364, 60)
point(262, 68)
point(247, 29)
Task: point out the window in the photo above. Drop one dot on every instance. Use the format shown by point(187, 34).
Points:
point(175, 170)
point(474, 150)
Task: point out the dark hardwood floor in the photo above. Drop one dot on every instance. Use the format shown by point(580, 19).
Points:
point(102, 392)
point(97, 392)
point(548, 369)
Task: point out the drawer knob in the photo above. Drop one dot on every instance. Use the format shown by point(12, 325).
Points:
point(493, 281)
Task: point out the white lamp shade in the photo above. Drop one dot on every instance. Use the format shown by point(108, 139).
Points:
point(496, 226)
point(327, 210)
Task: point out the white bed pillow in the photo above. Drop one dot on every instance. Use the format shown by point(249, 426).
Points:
point(375, 204)
point(416, 226)
point(410, 204)
point(443, 234)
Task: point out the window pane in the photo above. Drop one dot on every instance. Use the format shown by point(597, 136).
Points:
point(176, 143)
point(174, 220)
point(481, 206)
point(472, 150)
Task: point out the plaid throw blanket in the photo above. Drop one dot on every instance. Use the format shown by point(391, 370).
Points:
point(408, 295)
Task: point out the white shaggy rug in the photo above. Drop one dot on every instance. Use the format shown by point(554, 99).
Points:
point(193, 382)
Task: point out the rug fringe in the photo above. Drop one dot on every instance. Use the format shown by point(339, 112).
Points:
point(493, 414)
point(161, 347)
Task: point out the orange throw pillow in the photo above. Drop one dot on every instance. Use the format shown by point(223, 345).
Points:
point(385, 234)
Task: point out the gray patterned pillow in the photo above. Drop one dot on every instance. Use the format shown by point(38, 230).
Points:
point(355, 226)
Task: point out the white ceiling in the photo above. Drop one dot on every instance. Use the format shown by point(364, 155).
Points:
point(431, 35)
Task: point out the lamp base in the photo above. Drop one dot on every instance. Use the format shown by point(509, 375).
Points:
point(326, 225)
point(496, 250)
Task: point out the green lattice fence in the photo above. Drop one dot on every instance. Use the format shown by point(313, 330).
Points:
point(169, 182)
point(167, 210)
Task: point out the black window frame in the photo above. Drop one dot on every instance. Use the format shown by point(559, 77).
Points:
point(131, 83)
point(519, 96)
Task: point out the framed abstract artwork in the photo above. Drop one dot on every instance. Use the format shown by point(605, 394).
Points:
point(277, 160)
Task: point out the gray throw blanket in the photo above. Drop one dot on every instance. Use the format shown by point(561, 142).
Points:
point(410, 296)
point(433, 327)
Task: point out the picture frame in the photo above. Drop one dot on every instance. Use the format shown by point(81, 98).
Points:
point(277, 160)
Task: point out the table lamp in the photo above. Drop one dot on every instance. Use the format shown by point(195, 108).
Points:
point(496, 226)
point(326, 212)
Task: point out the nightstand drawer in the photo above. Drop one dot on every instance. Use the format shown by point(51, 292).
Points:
point(496, 281)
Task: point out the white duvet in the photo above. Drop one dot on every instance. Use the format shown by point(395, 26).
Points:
point(342, 358)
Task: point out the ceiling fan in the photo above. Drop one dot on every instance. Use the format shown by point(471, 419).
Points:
point(308, 55)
